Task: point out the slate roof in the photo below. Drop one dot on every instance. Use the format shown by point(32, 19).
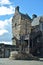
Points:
point(25, 15)
point(37, 20)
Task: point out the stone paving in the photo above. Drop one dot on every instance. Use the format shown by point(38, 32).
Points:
point(6, 61)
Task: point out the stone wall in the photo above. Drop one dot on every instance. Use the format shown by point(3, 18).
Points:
point(6, 49)
point(25, 27)
point(21, 24)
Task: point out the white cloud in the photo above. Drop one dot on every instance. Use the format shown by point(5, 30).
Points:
point(4, 24)
point(2, 2)
point(6, 11)
point(3, 32)
point(10, 20)
point(6, 42)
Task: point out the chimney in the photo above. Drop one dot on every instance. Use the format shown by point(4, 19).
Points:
point(34, 16)
point(17, 9)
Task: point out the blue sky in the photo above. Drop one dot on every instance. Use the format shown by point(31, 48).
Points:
point(7, 9)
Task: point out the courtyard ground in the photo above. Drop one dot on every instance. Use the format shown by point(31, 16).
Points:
point(6, 61)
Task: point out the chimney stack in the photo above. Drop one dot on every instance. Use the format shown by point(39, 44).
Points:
point(34, 16)
point(17, 9)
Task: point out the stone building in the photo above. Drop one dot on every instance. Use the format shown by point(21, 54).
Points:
point(37, 25)
point(21, 27)
point(5, 50)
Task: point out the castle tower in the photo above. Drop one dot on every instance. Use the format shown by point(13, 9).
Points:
point(21, 25)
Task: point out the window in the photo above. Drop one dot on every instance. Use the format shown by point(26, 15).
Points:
point(42, 26)
point(15, 24)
